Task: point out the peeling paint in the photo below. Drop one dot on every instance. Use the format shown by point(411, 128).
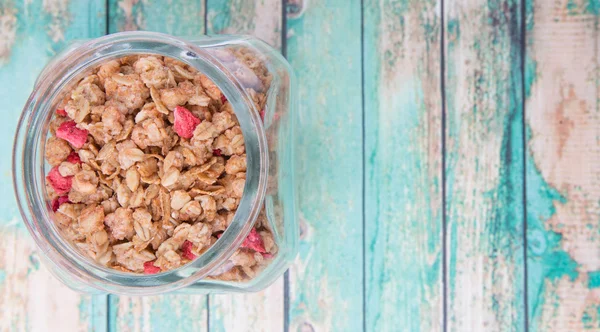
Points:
point(563, 150)
point(34, 263)
point(568, 309)
point(131, 22)
point(59, 18)
point(484, 169)
point(159, 313)
point(32, 299)
point(594, 279)
point(257, 18)
point(8, 32)
point(563, 178)
point(267, 25)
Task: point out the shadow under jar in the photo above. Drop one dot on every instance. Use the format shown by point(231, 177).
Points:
point(257, 83)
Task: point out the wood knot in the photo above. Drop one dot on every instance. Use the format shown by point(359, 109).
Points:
point(294, 8)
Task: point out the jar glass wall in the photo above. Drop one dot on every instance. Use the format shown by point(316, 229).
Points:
point(259, 85)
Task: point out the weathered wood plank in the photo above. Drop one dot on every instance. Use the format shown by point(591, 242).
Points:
point(403, 207)
point(484, 169)
point(31, 32)
point(326, 281)
point(563, 164)
point(32, 299)
point(257, 312)
point(158, 313)
point(168, 312)
point(263, 311)
point(175, 17)
point(261, 18)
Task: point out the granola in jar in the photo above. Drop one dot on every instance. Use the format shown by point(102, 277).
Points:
point(148, 167)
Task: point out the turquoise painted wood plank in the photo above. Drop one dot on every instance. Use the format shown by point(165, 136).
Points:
point(256, 312)
point(175, 17)
point(485, 166)
point(563, 164)
point(326, 281)
point(261, 18)
point(33, 300)
point(31, 32)
point(262, 311)
point(167, 312)
point(403, 206)
point(158, 313)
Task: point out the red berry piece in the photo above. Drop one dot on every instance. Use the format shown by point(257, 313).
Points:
point(149, 268)
point(70, 133)
point(185, 122)
point(254, 241)
point(73, 158)
point(59, 183)
point(57, 202)
point(186, 250)
point(61, 112)
point(217, 152)
point(223, 99)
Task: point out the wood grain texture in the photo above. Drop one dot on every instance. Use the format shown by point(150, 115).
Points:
point(484, 169)
point(261, 18)
point(326, 281)
point(262, 311)
point(175, 17)
point(32, 299)
point(485, 165)
point(31, 32)
point(165, 312)
point(563, 169)
point(403, 207)
point(258, 312)
point(158, 313)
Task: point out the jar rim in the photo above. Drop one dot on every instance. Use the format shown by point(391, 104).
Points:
point(28, 176)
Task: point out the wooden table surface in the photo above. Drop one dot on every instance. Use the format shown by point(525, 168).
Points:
point(448, 165)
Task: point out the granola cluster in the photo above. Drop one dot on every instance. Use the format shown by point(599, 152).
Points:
point(149, 166)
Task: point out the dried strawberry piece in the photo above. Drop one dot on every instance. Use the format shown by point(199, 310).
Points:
point(186, 250)
point(185, 122)
point(223, 99)
point(57, 202)
point(70, 133)
point(149, 268)
point(61, 112)
point(254, 241)
point(267, 256)
point(55, 205)
point(217, 152)
point(262, 115)
point(73, 158)
point(59, 183)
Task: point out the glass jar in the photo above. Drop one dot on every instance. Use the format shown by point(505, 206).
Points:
point(269, 193)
